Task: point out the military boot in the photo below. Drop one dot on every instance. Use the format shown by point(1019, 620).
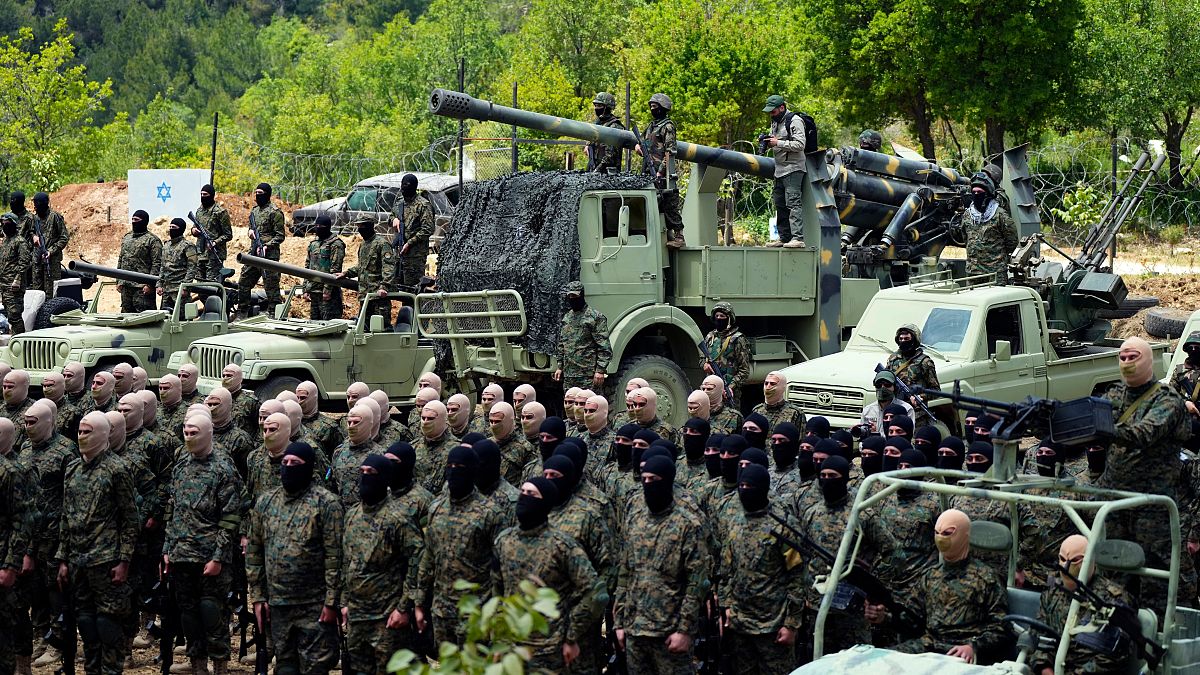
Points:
point(200, 665)
point(49, 657)
point(23, 665)
point(220, 667)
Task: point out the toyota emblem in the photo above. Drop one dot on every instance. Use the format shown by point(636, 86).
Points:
point(825, 398)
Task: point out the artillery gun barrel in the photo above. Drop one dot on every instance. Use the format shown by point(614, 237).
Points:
point(915, 171)
point(112, 272)
point(301, 272)
point(458, 105)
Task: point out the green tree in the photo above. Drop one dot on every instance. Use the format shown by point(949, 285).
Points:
point(165, 135)
point(577, 36)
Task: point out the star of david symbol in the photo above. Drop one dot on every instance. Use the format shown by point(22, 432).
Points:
point(164, 192)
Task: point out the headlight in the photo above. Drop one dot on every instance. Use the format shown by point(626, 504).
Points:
point(64, 349)
point(15, 348)
point(237, 359)
point(194, 354)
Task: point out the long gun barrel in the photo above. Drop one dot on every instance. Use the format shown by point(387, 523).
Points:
point(301, 272)
point(1095, 254)
point(458, 105)
point(112, 273)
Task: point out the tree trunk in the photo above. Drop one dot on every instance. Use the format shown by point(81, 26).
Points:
point(994, 137)
point(1175, 130)
point(923, 123)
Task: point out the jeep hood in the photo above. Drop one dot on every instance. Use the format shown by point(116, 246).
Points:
point(96, 336)
point(843, 369)
point(78, 317)
point(258, 345)
point(298, 328)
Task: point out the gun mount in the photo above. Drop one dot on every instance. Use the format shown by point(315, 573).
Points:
point(112, 273)
point(301, 272)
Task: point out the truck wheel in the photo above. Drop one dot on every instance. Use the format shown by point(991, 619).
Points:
point(1130, 306)
point(665, 378)
point(1165, 322)
point(275, 384)
point(52, 308)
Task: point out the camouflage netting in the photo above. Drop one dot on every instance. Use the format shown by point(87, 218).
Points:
point(520, 232)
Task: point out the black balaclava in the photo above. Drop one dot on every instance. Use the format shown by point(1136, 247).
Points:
point(984, 426)
point(1047, 465)
point(140, 221)
point(712, 460)
point(472, 438)
point(671, 449)
point(177, 228)
point(804, 459)
point(904, 422)
point(575, 449)
point(834, 489)
point(952, 462)
point(894, 409)
point(576, 300)
point(16, 202)
point(979, 448)
point(906, 342)
point(756, 439)
point(817, 425)
point(461, 479)
point(926, 439)
point(41, 204)
point(487, 475)
point(754, 486)
point(624, 451)
point(873, 463)
point(652, 452)
point(830, 448)
point(323, 227)
point(533, 512)
point(969, 426)
point(1192, 349)
point(913, 458)
point(263, 198)
point(1097, 459)
point(693, 444)
point(659, 494)
point(408, 187)
point(647, 436)
point(901, 444)
point(9, 225)
point(658, 112)
point(404, 465)
point(296, 479)
point(373, 488)
point(845, 440)
point(211, 199)
point(754, 456)
point(366, 230)
point(784, 452)
point(721, 323)
point(566, 484)
point(556, 428)
point(735, 445)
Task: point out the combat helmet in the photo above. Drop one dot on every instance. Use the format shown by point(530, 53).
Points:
point(661, 99)
point(605, 99)
point(870, 140)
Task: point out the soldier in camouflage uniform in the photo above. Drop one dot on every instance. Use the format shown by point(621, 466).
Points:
point(786, 479)
point(458, 545)
point(533, 414)
point(203, 517)
point(23, 218)
point(583, 349)
point(407, 495)
point(189, 376)
point(293, 566)
point(262, 465)
point(726, 350)
point(661, 577)
point(227, 437)
point(326, 253)
point(724, 419)
point(433, 446)
point(413, 220)
point(539, 550)
point(171, 407)
point(54, 238)
point(597, 435)
point(390, 428)
point(374, 271)
point(17, 400)
point(141, 251)
point(775, 406)
point(324, 430)
point(215, 220)
point(644, 408)
point(349, 457)
point(267, 220)
point(425, 395)
point(97, 532)
point(66, 420)
point(1185, 380)
point(14, 265)
point(179, 264)
point(75, 378)
point(515, 451)
point(659, 141)
point(103, 384)
point(245, 402)
point(761, 585)
point(490, 481)
point(18, 520)
point(381, 548)
point(912, 366)
point(604, 158)
point(990, 233)
point(695, 434)
point(909, 516)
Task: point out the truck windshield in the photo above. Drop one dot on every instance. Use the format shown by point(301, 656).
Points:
point(942, 328)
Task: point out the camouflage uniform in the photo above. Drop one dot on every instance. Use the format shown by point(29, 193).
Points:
point(730, 351)
point(416, 227)
point(599, 445)
point(170, 418)
point(989, 242)
point(1186, 382)
point(909, 517)
point(553, 558)
point(325, 431)
point(14, 264)
point(54, 237)
point(269, 222)
point(346, 462)
point(67, 419)
point(375, 271)
point(45, 465)
point(458, 545)
point(659, 137)
point(98, 529)
point(763, 590)
point(391, 431)
point(964, 602)
point(179, 265)
point(980, 508)
point(431, 460)
point(415, 502)
point(16, 414)
point(601, 157)
point(917, 370)
point(784, 411)
point(203, 517)
point(583, 347)
point(245, 412)
point(726, 421)
point(215, 220)
point(515, 454)
point(17, 523)
point(1056, 602)
point(663, 428)
point(235, 443)
point(140, 252)
point(293, 563)
point(325, 255)
point(262, 473)
point(1052, 526)
point(381, 548)
point(661, 583)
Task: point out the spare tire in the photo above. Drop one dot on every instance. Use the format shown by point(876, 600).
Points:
point(1165, 322)
point(1130, 306)
point(51, 308)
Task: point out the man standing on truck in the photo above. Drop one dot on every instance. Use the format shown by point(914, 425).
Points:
point(141, 251)
point(215, 220)
point(912, 366)
point(179, 263)
point(989, 230)
point(54, 239)
point(726, 352)
point(375, 270)
point(605, 158)
point(583, 348)
point(266, 236)
point(326, 253)
point(659, 141)
point(788, 137)
point(414, 226)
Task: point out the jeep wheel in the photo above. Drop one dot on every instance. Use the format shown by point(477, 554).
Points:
point(52, 308)
point(275, 384)
point(665, 378)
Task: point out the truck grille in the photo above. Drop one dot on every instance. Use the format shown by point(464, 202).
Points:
point(39, 354)
point(214, 359)
point(829, 400)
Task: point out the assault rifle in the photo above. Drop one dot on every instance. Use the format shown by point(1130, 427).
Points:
point(908, 393)
point(203, 236)
point(162, 603)
point(708, 643)
point(648, 167)
point(254, 238)
point(43, 252)
point(61, 635)
point(1121, 617)
point(717, 370)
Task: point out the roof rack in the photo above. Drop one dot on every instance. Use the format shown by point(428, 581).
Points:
point(943, 282)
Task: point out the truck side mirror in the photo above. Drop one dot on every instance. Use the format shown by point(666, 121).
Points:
point(190, 312)
point(623, 225)
point(1003, 350)
point(375, 325)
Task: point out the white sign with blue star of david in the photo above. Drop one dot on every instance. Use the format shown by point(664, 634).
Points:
point(168, 193)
